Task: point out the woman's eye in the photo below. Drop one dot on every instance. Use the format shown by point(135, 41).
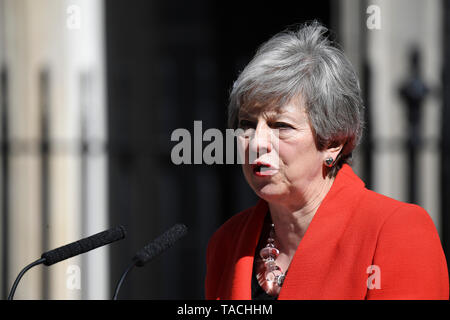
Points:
point(282, 125)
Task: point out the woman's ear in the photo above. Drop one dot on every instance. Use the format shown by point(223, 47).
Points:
point(332, 153)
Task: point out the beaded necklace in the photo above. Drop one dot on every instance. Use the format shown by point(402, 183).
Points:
point(270, 276)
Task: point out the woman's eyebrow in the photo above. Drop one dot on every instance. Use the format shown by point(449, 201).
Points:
point(282, 115)
point(269, 114)
point(246, 114)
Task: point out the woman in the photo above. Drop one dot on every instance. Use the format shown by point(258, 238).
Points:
point(317, 232)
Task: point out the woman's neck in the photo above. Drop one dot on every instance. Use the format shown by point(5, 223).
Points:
point(291, 220)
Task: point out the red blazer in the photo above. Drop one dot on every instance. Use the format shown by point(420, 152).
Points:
point(359, 245)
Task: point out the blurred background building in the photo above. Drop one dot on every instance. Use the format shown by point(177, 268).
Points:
point(90, 92)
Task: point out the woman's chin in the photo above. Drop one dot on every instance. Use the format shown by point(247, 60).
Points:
point(270, 192)
point(268, 188)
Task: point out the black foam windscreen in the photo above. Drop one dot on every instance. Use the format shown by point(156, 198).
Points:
point(83, 245)
point(160, 244)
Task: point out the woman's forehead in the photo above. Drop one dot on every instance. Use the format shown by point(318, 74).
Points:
point(293, 107)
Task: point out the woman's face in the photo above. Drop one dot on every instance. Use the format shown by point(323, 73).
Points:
point(281, 158)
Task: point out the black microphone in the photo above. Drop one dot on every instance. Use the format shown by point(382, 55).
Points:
point(152, 250)
point(73, 249)
point(84, 245)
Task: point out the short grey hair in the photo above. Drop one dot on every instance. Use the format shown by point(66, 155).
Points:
point(305, 63)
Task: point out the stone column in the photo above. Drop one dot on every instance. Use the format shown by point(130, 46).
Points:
point(383, 33)
point(54, 55)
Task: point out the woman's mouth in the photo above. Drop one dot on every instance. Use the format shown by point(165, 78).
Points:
point(261, 169)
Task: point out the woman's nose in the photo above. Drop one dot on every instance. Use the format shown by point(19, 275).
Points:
point(261, 143)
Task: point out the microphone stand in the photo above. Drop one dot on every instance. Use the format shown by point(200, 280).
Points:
point(16, 282)
point(153, 249)
point(122, 278)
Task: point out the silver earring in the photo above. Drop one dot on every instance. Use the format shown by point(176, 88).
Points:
point(329, 162)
